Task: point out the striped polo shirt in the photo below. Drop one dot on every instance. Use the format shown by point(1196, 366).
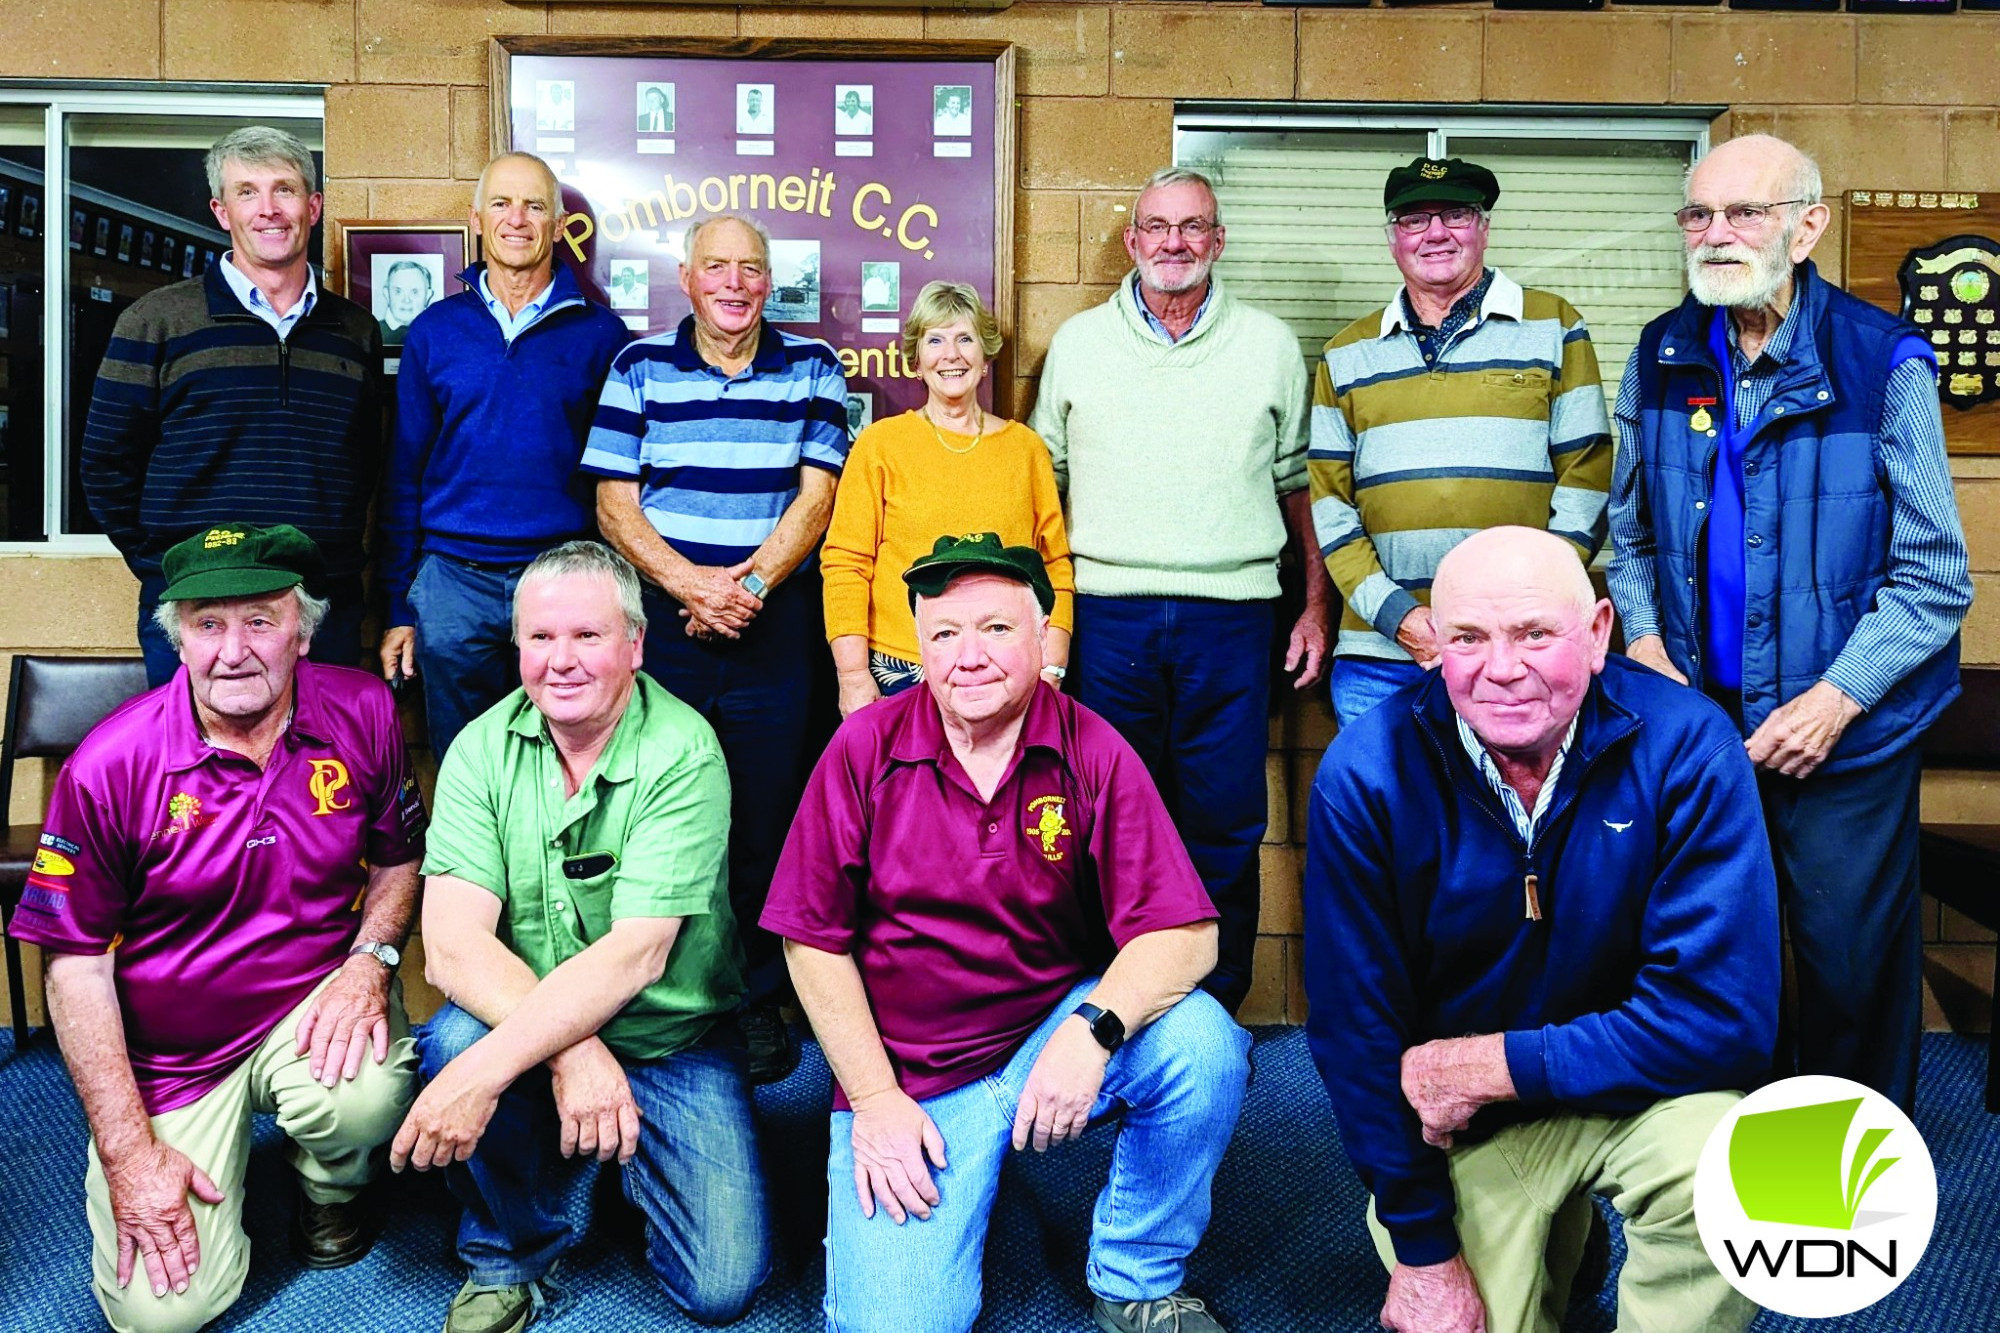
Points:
point(1409, 458)
point(717, 455)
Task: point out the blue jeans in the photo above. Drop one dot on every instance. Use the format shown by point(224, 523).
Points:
point(1187, 683)
point(466, 659)
point(696, 1177)
point(755, 691)
point(338, 642)
point(1176, 1088)
point(1360, 683)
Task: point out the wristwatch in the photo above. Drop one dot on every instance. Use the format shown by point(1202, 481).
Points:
point(753, 583)
point(388, 955)
point(1107, 1027)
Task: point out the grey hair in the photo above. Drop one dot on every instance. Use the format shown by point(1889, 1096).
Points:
point(260, 146)
point(1803, 184)
point(413, 266)
point(312, 613)
point(702, 224)
point(1178, 176)
point(555, 181)
point(586, 557)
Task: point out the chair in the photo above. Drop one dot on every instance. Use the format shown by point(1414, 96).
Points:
point(51, 706)
point(1960, 863)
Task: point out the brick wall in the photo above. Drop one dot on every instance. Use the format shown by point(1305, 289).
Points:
point(1908, 103)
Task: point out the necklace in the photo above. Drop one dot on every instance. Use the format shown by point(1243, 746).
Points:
point(979, 429)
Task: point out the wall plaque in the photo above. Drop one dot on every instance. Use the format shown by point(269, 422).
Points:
point(1934, 258)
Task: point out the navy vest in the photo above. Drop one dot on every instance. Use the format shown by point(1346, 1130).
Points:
point(1816, 508)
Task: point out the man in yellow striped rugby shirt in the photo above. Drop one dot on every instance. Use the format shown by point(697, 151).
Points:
point(1465, 403)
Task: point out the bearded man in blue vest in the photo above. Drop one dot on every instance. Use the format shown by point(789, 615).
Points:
point(1786, 539)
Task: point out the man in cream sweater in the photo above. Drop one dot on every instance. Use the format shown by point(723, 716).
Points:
point(1176, 417)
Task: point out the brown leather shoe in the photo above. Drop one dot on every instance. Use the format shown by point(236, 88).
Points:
point(332, 1235)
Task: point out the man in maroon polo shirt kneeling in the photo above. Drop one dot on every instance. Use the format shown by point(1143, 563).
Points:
point(227, 872)
point(998, 935)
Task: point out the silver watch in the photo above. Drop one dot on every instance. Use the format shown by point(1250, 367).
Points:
point(753, 583)
point(388, 955)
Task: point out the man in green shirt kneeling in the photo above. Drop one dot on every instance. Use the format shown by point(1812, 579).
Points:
point(577, 917)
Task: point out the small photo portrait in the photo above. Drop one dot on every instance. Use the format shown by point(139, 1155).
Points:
point(148, 245)
point(76, 227)
point(853, 108)
point(627, 286)
point(6, 206)
point(31, 214)
point(881, 286)
point(656, 108)
point(555, 104)
point(794, 283)
point(860, 412)
point(756, 108)
point(101, 242)
point(401, 287)
point(187, 262)
point(125, 244)
point(951, 110)
point(170, 256)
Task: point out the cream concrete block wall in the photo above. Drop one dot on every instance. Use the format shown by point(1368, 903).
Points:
point(1883, 102)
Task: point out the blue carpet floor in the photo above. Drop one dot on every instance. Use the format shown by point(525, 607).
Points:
point(1286, 1252)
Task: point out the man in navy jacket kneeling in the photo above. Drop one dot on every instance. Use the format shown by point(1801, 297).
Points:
point(1561, 853)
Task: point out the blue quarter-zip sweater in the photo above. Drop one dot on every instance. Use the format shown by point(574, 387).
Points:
point(488, 433)
point(1652, 973)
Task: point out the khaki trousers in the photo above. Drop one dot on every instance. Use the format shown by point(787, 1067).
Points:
point(1524, 1212)
point(331, 1135)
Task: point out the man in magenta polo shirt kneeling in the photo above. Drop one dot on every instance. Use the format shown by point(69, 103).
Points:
point(227, 871)
point(998, 935)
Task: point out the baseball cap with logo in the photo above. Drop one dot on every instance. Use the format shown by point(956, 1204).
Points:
point(239, 560)
point(980, 552)
point(1435, 180)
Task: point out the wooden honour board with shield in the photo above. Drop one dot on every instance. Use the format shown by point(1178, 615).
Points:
point(1934, 257)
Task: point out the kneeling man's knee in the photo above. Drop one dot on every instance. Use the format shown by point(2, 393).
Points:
point(137, 1310)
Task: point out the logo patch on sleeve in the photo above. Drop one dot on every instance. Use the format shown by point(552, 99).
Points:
point(51, 863)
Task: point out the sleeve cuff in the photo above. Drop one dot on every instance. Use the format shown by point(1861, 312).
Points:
point(1867, 693)
point(1389, 615)
point(400, 610)
point(1527, 1065)
point(1421, 1244)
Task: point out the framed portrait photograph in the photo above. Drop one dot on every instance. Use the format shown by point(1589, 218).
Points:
point(656, 108)
point(756, 108)
point(397, 270)
point(854, 108)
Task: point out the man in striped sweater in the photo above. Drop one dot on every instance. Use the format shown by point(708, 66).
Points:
point(246, 394)
point(717, 447)
point(1466, 403)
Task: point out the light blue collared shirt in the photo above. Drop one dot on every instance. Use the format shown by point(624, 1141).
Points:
point(253, 299)
point(1524, 819)
point(511, 325)
point(1153, 321)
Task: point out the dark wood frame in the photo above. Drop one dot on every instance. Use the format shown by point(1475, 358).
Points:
point(343, 279)
point(1006, 139)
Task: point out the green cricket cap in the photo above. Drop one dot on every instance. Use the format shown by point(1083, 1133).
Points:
point(980, 552)
point(1440, 180)
point(239, 560)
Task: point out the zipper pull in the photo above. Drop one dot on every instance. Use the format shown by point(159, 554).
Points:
point(1533, 899)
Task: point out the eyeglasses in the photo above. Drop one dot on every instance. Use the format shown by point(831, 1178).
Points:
point(1193, 229)
point(1418, 221)
point(1742, 217)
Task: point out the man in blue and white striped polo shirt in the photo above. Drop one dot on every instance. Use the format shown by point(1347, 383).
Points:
point(717, 447)
point(1788, 541)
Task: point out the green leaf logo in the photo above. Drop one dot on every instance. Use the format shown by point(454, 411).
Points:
point(1786, 1165)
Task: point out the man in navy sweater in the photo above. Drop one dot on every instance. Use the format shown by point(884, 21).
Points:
point(1561, 853)
point(495, 395)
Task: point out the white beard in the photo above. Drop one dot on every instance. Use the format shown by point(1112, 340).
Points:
point(1753, 288)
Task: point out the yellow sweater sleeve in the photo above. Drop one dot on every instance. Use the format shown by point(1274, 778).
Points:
point(1051, 539)
point(847, 561)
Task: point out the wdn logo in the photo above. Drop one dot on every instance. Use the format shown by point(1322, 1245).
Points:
point(1815, 1197)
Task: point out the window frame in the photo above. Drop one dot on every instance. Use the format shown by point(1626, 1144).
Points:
point(58, 101)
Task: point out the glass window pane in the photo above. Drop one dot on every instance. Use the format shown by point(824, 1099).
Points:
point(1592, 221)
point(138, 220)
point(23, 456)
point(1303, 210)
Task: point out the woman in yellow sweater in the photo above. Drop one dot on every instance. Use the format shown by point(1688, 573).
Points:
point(910, 479)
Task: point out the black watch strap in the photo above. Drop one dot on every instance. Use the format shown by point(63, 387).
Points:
point(1107, 1027)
